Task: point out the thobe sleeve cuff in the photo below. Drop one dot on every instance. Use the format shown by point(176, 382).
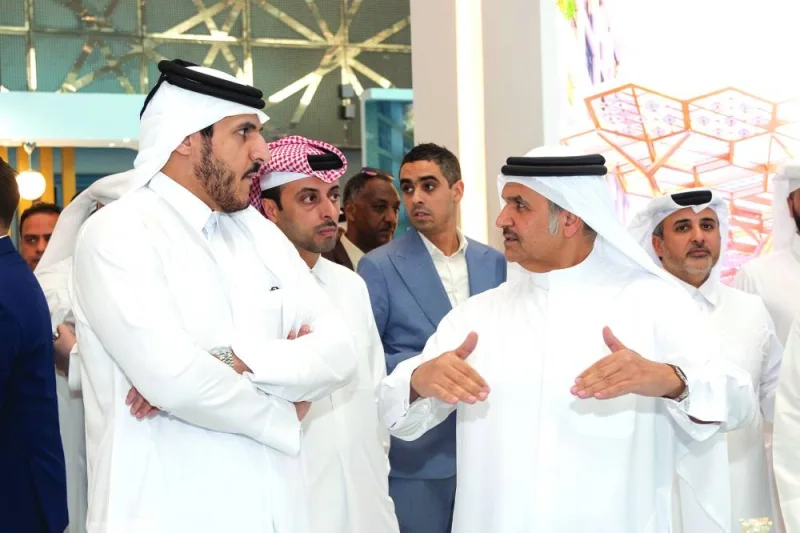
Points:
point(282, 430)
point(74, 370)
point(720, 395)
point(406, 420)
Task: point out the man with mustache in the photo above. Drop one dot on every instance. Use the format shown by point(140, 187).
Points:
point(371, 204)
point(685, 233)
point(776, 276)
point(184, 292)
point(584, 384)
point(413, 282)
point(344, 445)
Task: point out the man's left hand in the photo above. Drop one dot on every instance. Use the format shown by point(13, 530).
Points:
point(626, 372)
point(140, 408)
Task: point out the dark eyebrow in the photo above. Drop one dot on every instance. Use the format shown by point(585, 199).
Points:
point(681, 221)
point(420, 179)
point(306, 190)
point(516, 198)
point(249, 126)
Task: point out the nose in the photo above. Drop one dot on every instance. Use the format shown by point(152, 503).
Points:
point(41, 244)
point(416, 196)
point(260, 150)
point(391, 216)
point(330, 210)
point(503, 219)
point(697, 235)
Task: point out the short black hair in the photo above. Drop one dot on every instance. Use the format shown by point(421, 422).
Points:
point(444, 158)
point(9, 195)
point(38, 209)
point(357, 183)
point(273, 194)
point(208, 131)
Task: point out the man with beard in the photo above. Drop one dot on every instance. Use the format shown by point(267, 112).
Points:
point(371, 204)
point(584, 384)
point(776, 276)
point(413, 282)
point(344, 446)
point(685, 233)
point(185, 293)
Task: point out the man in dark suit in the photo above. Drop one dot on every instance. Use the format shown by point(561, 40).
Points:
point(33, 485)
point(413, 282)
point(370, 204)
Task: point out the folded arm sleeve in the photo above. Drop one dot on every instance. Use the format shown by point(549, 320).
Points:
point(312, 366)
point(116, 269)
point(720, 394)
point(409, 421)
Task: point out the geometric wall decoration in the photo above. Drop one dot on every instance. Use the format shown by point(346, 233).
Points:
point(296, 51)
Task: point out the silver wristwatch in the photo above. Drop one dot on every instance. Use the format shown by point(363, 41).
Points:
point(682, 376)
point(224, 354)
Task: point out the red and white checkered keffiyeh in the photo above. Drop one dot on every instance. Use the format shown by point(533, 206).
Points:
point(290, 154)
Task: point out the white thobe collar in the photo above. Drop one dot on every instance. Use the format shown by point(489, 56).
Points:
point(3, 236)
point(196, 213)
point(795, 248)
point(707, 295)
point(434, 251)
point(319, 270)
point(581, 273)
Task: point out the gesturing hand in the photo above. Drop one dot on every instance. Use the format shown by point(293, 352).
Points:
point(62, 346)
point(449, 377)
point(626, 372)
point(140, 408)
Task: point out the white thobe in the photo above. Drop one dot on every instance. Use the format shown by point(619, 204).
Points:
point(54, 282)
point(345, 448)
point(533, 458)
point(750, 342)
point(151, 298)
point(776, 278)
point(786, 452)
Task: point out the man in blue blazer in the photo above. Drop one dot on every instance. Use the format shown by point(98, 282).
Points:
point(413, 282)
point(33, 484)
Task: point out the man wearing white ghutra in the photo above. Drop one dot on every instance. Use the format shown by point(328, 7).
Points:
point(584, 383)
point(187, 294)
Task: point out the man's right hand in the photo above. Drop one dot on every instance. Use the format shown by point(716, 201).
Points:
point(449, 377)
point(302, 409)
point(62, 346)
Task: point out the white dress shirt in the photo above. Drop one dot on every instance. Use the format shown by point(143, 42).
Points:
point(353, 252)
point(750, 342)
point(452, 269)
point(151, 298)
point(345, 447)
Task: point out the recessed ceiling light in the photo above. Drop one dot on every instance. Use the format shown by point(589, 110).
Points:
point(112, 145)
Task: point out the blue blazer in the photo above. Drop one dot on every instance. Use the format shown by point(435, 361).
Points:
point(33, 480)
point(409, 300)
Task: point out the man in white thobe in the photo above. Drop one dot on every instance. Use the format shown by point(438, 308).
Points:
point(685, 233)
point(786, 452)
point(160, 304)
point(345, 447)
point(776, 276)
point(562, 425)
point(54, 282)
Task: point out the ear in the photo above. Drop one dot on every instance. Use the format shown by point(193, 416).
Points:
point(658, 246)
point(270, 209)
point(572, 224)
point(185, 148)
point(349, 211)
point(458, 191)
